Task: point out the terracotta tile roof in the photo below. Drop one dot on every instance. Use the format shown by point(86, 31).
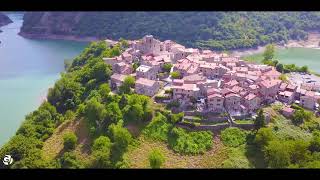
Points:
point(232, 95)
point(119, 77)
point(145, 82)
point(250, 97)
point(188, 87)
point(270, 83)
point(214, 96)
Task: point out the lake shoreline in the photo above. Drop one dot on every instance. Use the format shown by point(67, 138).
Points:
point(59, 37)
point(311, 43)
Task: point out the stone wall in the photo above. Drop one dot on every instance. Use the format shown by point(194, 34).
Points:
point(213, 128)
point(243, 126)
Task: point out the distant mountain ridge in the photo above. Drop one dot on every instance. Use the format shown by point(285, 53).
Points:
point(214, 30)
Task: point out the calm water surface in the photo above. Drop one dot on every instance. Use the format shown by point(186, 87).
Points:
point(27, 69)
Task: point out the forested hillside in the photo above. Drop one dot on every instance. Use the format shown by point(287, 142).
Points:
point(216, 30)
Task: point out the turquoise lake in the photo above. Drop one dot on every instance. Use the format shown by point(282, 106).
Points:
point(27, 69)
point(298, 56)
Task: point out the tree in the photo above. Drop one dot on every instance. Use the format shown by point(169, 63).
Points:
point(156, 159)
point(277, 154)
point(298, 117)
point(299, 151)
point(264, 136)
point(167, 67)
point(113, 113)
point(269, 52)
point(126, 86)
point(176, 75)
point(283, 78)
point(304, 69)
point(101, 151)
point(94, 111)
point(69, 141)
point(133, 113)
point(70, 160)
point(315, 142)
point(120, 136)
point(26, 152)
point(104, 91)
point(279, 67)
point(259, 122)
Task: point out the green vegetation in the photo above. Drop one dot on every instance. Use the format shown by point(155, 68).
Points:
point(216, 30)
point(176, 75)
point(69, 160)
point(233, 137)
point(167, 67)
point(116, 123)
point(185, 142)
point(267, 57)
point(158, 128)
point(237, 158)
point(268, 53)
point(126, 86)
point(69, 141)
point(259, 122)
point(156, 159)
point(101, 151)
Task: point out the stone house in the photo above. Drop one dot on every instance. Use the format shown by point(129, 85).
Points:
point(252, 102)
point(146, 87)
point(147, 72)
point(116, 80)
point(232, 102)
point(215, 103)
point(309, 100)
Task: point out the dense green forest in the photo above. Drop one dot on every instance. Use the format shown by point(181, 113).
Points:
point(215, 30)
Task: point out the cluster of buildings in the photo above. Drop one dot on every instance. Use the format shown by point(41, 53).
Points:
point(219, 81)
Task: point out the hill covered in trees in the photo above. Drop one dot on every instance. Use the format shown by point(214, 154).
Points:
point(215, 30)
point(85, 125)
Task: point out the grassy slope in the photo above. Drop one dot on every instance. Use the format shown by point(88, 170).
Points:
point(53, 147)
point(138, 156)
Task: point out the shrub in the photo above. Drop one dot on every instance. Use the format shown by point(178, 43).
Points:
point(176, 75)
point(101, 151)
point(156, 158)
point(264, 136)
point(277, 154)
point(174, 118)
point(158, 128)
point(70, 160)
point(190, 142)
point(233, 137)
point(69, 141)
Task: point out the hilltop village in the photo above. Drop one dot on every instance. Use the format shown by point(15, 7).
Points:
point(205, 80)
